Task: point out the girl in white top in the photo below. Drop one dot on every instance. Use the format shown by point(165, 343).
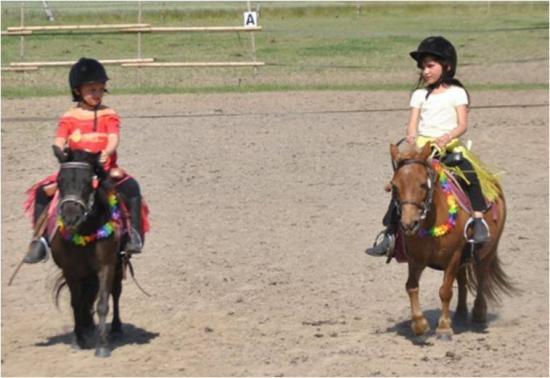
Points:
point(439, 115)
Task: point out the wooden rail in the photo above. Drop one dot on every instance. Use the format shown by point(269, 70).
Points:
point(195, 64)
point(20, 69)
point(170, 29)
point(71, 62)
point(25, 32)
point(74, 27)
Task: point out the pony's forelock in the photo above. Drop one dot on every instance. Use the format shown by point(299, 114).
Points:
point(408, 151)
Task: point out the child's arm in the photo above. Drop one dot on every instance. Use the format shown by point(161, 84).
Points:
point(112, 144)
point(413, 124)
point(60, 142)
point(459, 130)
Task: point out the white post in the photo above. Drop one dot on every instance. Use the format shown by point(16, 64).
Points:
point(22, 45)
point(139, 33)
point(48, 11)
point(252, 41)
point(139, 43)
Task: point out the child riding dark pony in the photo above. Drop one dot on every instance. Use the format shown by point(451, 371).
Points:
point(94, 127)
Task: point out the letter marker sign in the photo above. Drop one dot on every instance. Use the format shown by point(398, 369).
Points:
point(250, 19)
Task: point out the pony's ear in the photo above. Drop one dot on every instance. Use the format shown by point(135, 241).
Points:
point(61, 156)
point(425, 151)
point(394, 152)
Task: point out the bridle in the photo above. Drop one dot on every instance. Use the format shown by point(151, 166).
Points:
point(426, 204)
point(75, 198)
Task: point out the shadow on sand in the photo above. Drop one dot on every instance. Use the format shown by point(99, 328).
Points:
point(432, 316)
point(130, 335)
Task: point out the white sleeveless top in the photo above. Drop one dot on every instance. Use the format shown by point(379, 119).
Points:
point(438, 113)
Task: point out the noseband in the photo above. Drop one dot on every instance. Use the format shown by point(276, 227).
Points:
point(74, 198)
point(425, 205)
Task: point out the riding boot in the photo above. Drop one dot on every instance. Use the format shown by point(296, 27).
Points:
point(134, 244)
point(481, 231)
point(38, 248)
point(385, 246)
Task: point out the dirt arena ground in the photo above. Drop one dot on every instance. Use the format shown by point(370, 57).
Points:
point(261, 207)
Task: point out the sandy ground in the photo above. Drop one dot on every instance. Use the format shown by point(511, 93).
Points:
point(261, 207)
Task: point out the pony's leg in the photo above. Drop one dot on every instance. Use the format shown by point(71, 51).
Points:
point(89, 294)
point(461, 314)
point(106, 276)
point(89, 291)
point(116, 324)
point(79, 341)
point(479, 312)
point(419, 324)
point(444, 326)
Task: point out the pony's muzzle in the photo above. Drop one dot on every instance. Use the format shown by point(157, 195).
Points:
point(411, 228)
point(72, 213)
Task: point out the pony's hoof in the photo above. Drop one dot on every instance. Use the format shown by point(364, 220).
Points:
point(420, 339)
point(420, 326)
point(75, 347)
point(479, 326)
point(102, 352)
point(445, 335)
point(78, 344)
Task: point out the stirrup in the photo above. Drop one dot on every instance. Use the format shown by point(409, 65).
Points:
point(378, 243)
point(39, 255)
point(133, 248)
point(469, 224)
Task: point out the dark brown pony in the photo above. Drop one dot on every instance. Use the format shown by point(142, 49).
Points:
point(92, 271)
point(422, 204)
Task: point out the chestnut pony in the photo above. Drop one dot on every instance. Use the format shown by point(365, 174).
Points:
point(422, 204)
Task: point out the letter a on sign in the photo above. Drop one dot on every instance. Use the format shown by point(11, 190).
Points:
point(250, 19)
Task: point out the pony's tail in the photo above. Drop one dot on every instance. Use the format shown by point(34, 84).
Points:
point(59, 284)
point(496, 281)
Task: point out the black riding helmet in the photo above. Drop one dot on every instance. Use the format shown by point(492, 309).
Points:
point(86, 71)
point(438, 47)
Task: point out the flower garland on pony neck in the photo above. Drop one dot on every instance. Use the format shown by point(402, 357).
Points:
point(443, 229)
point(104, 231)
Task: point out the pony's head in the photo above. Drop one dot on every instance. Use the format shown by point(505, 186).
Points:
point(77, 182)
point(412, 185)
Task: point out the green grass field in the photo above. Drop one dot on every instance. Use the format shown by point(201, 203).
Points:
point(329, 45)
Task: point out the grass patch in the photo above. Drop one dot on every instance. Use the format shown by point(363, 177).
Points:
point(307, 44)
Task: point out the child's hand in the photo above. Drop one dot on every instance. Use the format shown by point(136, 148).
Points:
point(443, 140)
point(103, 157)
point(411, 139)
